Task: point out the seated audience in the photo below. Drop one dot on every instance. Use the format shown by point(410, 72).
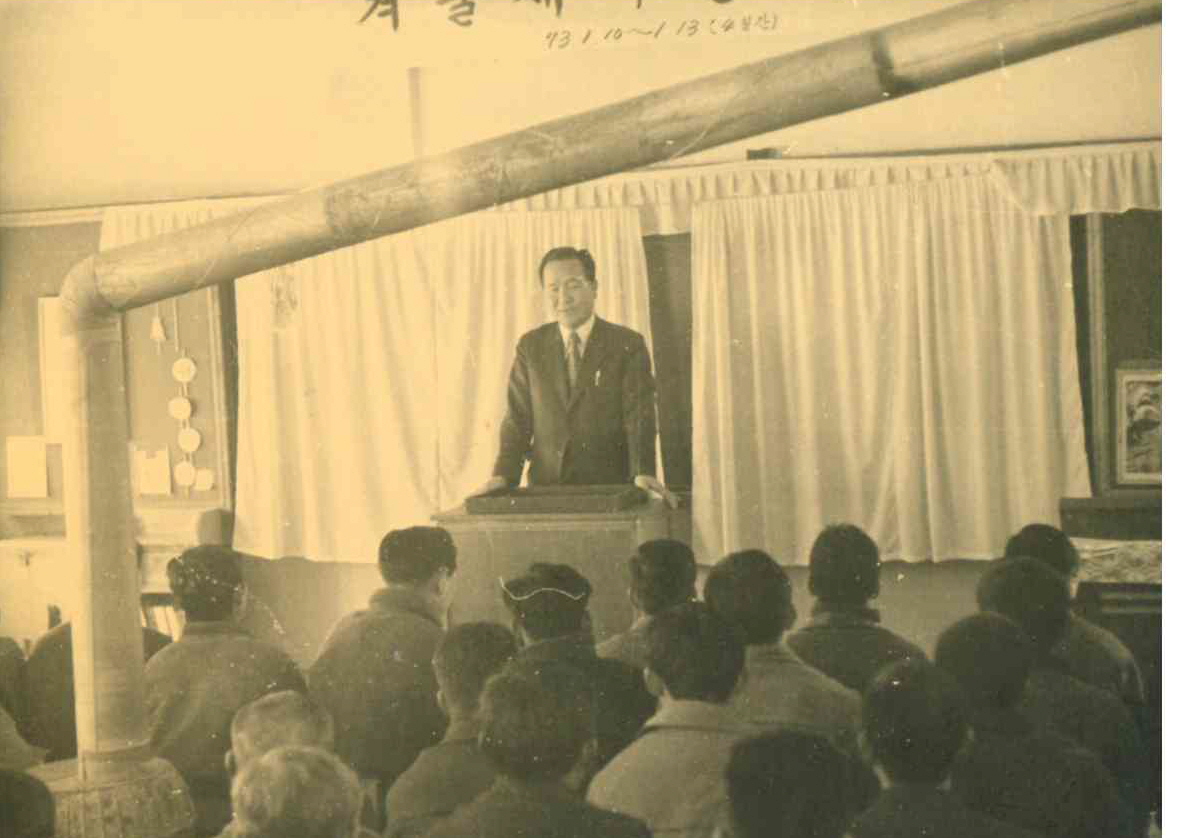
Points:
point(195, 686)
point(1038, 600)
point(1088, 652)
point(844, 637)
point(913, 726)
point(549, 608)
point(751, 591)
point(297, 792)
point(672, 776)
point(15, 753)
point(787, 784)
point(12, 673)
point(26, 806)
point(278, 720)
point(455, 771)
point(49, 689)
point(662, 575)
point(374, 673)
point(1013, 771)
point(537, 733)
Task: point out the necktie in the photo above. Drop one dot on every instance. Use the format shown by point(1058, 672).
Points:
point(573, 359)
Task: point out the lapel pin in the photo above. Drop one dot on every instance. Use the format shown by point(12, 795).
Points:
point(597, 379)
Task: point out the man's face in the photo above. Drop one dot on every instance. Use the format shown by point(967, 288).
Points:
point(569, 292)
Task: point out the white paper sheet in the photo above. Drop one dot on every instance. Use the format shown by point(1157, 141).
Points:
point(28, 475)
point(153, 475)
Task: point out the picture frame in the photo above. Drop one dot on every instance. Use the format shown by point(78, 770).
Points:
point(1138, 460)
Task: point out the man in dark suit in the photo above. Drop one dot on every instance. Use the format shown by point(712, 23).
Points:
point(581, 395)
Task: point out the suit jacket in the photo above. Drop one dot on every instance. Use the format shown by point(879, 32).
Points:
point(916, 811)
point(602, 431)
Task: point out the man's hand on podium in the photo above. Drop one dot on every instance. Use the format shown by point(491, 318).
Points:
point(491, 485)
point(656, 489)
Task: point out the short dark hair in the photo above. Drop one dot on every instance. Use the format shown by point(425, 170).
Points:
point(696, 653)
point(26, 806)
point(662, 575)
point(549, 600)
point(845, 566)
point(751, 591)
point(990, 656)
point(1047, 544)
point(277, 720)
point(789, 783)
point(914, 721)
point(414, 554)
point(534, 722)
point(1032, 594)
point(467, 656)
point(204, 581)
point(558, 254)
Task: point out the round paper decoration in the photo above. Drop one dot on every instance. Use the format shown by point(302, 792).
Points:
point(184, 369)
point(189, 440)
point(180, 408)
point(204, 481)
point(183, 474)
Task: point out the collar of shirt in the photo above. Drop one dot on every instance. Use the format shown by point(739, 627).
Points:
point(208, 627)
point(403, 599)
point(764, 652)
point(462, 730)
point(584, 330)
point(560, 648)
point(824, 615)
point(696, 715)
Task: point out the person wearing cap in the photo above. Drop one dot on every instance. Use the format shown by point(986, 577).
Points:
point(662, 575)
point(374, 672)
point(580, 403)
point(195, 686)
point(844, 637)
point(549, 609)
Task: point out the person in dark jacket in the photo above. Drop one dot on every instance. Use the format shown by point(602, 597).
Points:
point(549, 608)
point(844, 637)
point(374, 672)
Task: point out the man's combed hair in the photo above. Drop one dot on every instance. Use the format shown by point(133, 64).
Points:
point(413, 555)
point(697, 654)
point(536, 721)
point(296, 792)
point(559, 254)
point(990, 656)
point(1030, 593)
point(751, 591)
point(549, 600)
point(280, 719)
point(204, 581)
point(790, 783)
point(914, 721)
point(844, 566)
point(467, 656)
point(662, 575)
point(1046, 544)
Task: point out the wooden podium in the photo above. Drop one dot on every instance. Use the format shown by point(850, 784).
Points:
point(502, 544)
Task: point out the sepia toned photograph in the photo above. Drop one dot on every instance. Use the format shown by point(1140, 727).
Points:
point(713, 418)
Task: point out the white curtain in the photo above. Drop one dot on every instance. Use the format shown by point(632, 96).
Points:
point(900, 357)
point(372, 379)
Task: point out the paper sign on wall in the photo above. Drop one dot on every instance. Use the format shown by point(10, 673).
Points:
point(153, 475)
point(28, 475)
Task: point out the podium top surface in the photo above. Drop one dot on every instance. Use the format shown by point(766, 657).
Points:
point(562, 500)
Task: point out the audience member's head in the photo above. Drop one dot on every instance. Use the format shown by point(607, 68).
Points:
point(277, 720)
point(845, 566)
point(752, 591)
point(417, 556)
point(1030, 593)
point(548, 601)
point(1046, 544)
point(537, 723)
point(990, 656)
point(296, 792)
point(662, 575)
point(26, 806)
point(693, 654)
point(913, 722)
point(466, 657)
point(206, 582)
point(789, 783)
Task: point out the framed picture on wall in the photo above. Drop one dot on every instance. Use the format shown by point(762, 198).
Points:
point(1137, 429)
